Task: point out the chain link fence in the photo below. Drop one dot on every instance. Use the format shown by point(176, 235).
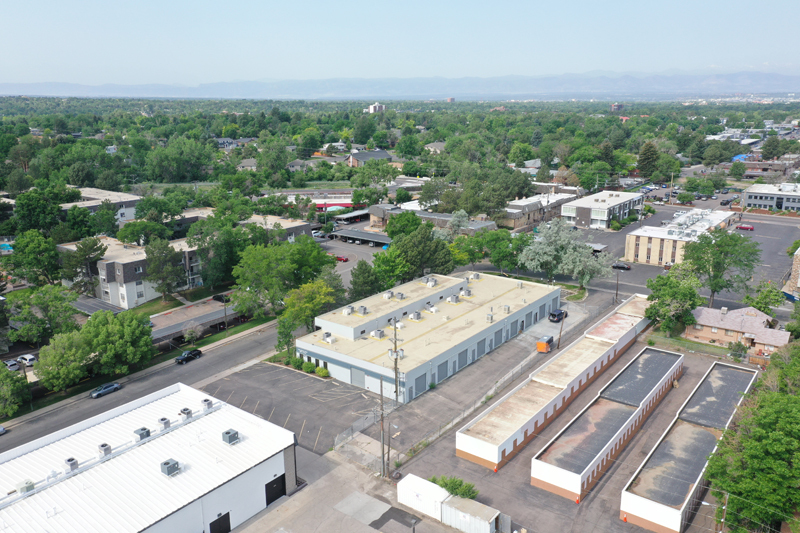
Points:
point(363, 423)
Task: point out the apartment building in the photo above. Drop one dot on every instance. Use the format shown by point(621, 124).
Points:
point(598, 210)
point(91, 199)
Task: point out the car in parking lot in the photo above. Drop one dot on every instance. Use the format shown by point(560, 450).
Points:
point(726, 201)
point(221, 298)
point(27, 359)
point(358, 241)
point(11, 365)
point(317, 233)
point(188, 355)
point(725, 191)
point(619, 265)
point(105, 388)
point(557, 315)
point(714, 197)
point(342, 259)
point(663, 185)
point(735, 197)
point(745, 227)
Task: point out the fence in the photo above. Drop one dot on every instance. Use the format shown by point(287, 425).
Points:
point(363, 423)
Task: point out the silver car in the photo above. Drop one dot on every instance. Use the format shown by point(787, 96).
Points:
point(11, 365)
point(105, 388)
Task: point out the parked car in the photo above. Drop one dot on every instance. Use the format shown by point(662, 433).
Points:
point(726, 201)
point(342, 259)
point(105, 388)
point(317, 233)
point(357, 241)
point(725, 191)
point(12, 365)
point(385, 247)
point(619, 265)
point(663, 185)
point(735, 197)
point(557, 315)
point(188, 355)
point(2, 430)
point(714, 197)
point(221, 298)
point(27, 359)
point(667, 265)
point(746, 227)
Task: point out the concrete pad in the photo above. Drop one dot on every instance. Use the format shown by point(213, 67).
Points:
point(363, 508)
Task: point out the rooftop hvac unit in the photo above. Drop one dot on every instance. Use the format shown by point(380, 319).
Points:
point(207, 404)
point(424, 279)
point(140, 434)
point(230, 437)
point(71, 464)
point(186, 414)
point(507, 308)
point(475, 275)
point(400, 296)
point(25, 486)
point(399, 325)
point(416, 315)
point(388, 295)
point(670, 232)
point(453, 299)
point(327, 337)
point(378, 334)
point(489, 318)
point(466, 293)
point(163, 423)
point(431, 282)
point(519, 284)
point(433, 309)
point(170, 467)
point(348, 310)
point(103, 450)
point(362, 310)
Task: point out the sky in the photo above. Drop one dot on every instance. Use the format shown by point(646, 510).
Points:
point(182, 42)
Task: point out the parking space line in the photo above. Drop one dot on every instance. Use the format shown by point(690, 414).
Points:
point(270, 414)
point(256, 407)
point(229, 396)
point(245, 399)
point(306, 386)
point(287, 419)
point(316, 441)
point(216, 391)
point(301, 430)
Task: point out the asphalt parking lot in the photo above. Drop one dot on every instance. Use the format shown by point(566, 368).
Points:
point(509, 490)
point(315, 409)
point(353, 252)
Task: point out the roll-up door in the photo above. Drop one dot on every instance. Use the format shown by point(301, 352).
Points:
point(442, 371)
point(420, 384)
point(514, 328)
point(357, 378)
point(498, 338)
point(462, 359)
point(529, 320)
point(481, 347)
point(542, 311)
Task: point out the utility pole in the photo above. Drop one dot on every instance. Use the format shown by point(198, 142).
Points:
point(383, 462)
point(560, 330)
point(724, 512)
point(616, 293)
point(396, 356)
point(671, 189)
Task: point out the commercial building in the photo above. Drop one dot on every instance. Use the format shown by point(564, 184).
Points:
point(91, 198)
point(359, 159)
point(293, 228)
point(175, 461)
point(784, 196)
point(443, 323)
point(528, 212)
point(598, 210)
point(380, 214)
point(375, 108)
point(747, 325)
point(667, 489)
point(502, 431)
point(575, 459)
point(656, 245)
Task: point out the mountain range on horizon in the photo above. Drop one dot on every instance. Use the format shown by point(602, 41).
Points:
point(580, 86)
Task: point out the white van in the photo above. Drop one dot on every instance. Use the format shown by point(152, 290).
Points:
point(27, 360)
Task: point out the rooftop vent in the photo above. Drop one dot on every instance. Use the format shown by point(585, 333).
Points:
point(519, 284)
point(327, 337)
point(207, 404)
point(400, 353)
point(400, 296)
point(378, 334)
point(103, 450)
point(230, 437)
point(71, 464)
point(26, 485)
point(453, 299)
point(723, 311)
point(431, 282)
point(186, 414)
point(140, 434)
point(348, 310)
point(489, 318)
point(507, 309)
point(163, 423)
point(416, 315)
point(170, 467)
point(424, 279)
point(466, 293)
point(362, 310)
point(388, 295)
point(475, 275)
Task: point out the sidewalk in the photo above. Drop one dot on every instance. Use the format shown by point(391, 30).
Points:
point(150, 371)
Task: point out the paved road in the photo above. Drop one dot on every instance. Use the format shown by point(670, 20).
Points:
point(210, 364)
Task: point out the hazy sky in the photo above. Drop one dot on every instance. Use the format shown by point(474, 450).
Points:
point(199, 41)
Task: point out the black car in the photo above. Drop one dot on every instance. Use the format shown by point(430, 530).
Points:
point(725, 202)
point(187, 356)
point(221, 298)
point(619, 265)
point(557, 315)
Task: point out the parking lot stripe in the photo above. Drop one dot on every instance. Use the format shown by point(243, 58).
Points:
point(229, 397)
point(245, 399)
point(270, 414)
point(287, 419)
point(301, 430)
point(256, 407)
point(316, 441)
point(216, 391)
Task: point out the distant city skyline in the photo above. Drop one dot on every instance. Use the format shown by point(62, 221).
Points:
point(191, 43)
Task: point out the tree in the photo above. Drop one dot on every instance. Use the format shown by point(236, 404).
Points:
point(219, 246)
point(164, 267)
point(47, 312)
point(333, 280)
point(14, 392)
point(408, 146)
point(158, 209)
point(35, 259)
point(364, 281)
point(458, 222)
point(402, 196)
point(456, 486)
point(403, 224)
point(582, 264)
point(793, 326)
point(192, 331)
point(390, 268)
point(684, 197)
point(143, 232)
point(543, 174)
point(108, 180)
point(34, 210)
point(63, 362)
point(722, 261)
point(262, 279)
point(81, 174)
point(548, 251)
point(499, 247)
point(104, 220)
point(422, 252)
point(364, 129)
point(471, 246)
point(737, 170)
point(771, 148)
point(768, 296)
point(674, 296)
point(306, 302)
point(78, 265)
point(648, 159)
point(118, 342)
point(285, 336)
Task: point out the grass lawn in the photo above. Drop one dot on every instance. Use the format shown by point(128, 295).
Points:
point(200, 293)
point(679, 344)
point(15, 296)
point(577, 297)
point(156, 306)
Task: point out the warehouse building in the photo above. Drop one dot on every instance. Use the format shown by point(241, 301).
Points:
point(443, 323)
point(666, 490)
point(658, 245)
point(575, 459)
point(175, 461)
point(502, 431)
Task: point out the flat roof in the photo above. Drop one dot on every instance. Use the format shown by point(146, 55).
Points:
point(126, 491)
point(669, 474)
point(561, 370)
point(269, 221)
point(686, 227)
point(91, 197)
point(543, 199)
point(633, 384)
point(359, 213)
point(363, 235)
point(119, 252)
point(613, 327)
point(436, 332)
point(635, 306)
point(611, 198)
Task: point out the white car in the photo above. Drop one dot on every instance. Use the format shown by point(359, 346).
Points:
point(11, 365)
point(27, 359)
point(317, 234)
point(2, 430)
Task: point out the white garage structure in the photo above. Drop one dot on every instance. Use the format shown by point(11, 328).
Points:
point(444, 323)
point(174, 461)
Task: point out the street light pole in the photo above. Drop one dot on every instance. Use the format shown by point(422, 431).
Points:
point(616, 293)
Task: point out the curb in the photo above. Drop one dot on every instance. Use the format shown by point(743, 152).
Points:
point(137, 376)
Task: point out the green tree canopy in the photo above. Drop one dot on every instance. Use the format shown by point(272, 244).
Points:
point(63, 362)
point(648, 159)
point(77, 265)
point(306, 302)
point(118, 342)
point(768, 296)
point(422, 252)
point(364, 281)
point(47, 312)
point(143, 232)
point(673, 297)
point(164, 268)
point(403, 224)
point(35, 259)
point(14, 392)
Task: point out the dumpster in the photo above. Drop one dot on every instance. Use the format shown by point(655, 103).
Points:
point(544, 345)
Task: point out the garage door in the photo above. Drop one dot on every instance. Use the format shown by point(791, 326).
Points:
point(529, 320)
point(462, 359)
point(542, 311)
point(481, 347)
point(498, 338)
point(421, 383)
point(514, 328)
point(555, 303)
point(442, 371)
point(357, 378)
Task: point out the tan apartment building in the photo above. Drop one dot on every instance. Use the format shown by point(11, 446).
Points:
point(528, 212)
point(658, 245)
point(747, 325)
point(598, 210)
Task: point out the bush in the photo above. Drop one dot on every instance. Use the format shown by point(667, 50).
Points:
point(288, 361)
point(651, 342)
point(322, 372)
point(308, 367)
point(297, 363)
point(456, 486)
point(615, 226)
point(431, 385)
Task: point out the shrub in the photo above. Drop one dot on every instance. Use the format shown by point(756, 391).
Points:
point(322, 372)
point(651, 342)
point(398, 464)
point(456, 486)
point(308, 367)
point(297, 363)
point(615, 226)
point(288, 361)
point(431, 385)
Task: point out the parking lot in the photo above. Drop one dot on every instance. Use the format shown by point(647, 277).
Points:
point(315, 409)
point(509, 490)
point(353, 252)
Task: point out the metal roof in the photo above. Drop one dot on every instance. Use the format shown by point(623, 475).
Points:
point(362, 235)
point(126, 491)
point(360, 212)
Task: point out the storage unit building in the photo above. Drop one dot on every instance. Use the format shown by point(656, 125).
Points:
point(421, 495)
point(499, 433)
point(575, 459)
point(443, 323)
point(667, 489)
point(173, 461)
